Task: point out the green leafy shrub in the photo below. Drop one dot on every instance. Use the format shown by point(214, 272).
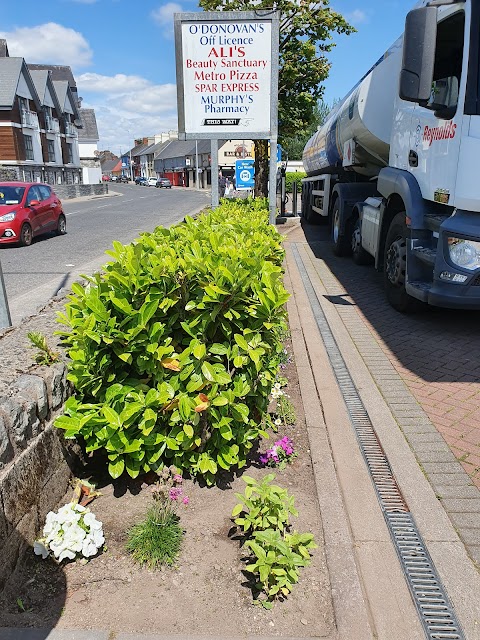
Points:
point(277, 561)
point(175, 347)
point(294, 176)
point(264, 513)
point(263, 506)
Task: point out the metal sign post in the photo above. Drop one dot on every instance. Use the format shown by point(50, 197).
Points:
point(214, 174)
point(5, 319)
point(272, 182)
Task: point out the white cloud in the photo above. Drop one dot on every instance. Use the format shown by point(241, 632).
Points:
point(119, 83)
point(163, 16)
point(154, 100)
point(128, 107)
point(49, 43)
point(357, 17)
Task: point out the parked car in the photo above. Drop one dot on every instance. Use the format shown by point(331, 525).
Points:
point(114, 178)
point(163, 182)
point(152, 182)
point(106, 178)
point(28, 209)
point(123, 179)
point(141, 180)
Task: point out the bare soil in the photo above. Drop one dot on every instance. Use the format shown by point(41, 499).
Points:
point(207, 591)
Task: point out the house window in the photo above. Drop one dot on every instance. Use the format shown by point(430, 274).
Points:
point(29, 147)
point(70, 153)
point(23, 102)
point(51, 150)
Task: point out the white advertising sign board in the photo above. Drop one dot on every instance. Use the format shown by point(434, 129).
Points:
point(227, 74)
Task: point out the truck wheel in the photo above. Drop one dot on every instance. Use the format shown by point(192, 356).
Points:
point(359, 255)
point(395, 267)
point(341, 240)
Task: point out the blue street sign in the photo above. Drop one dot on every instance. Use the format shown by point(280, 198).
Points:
point(245, 174)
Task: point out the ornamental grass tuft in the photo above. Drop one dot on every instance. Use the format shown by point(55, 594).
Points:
point(153, 543)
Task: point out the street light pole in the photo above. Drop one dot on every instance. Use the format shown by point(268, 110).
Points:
point(131, 166)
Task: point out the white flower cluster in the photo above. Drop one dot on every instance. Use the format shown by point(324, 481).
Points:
point(276, 391)
point(72, 530)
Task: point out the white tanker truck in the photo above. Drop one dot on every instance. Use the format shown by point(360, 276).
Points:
point(396, 166)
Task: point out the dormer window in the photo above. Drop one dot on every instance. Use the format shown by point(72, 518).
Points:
point(23, 102)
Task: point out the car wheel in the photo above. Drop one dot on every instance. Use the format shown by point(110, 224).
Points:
point(62, 225)
point(26, 235)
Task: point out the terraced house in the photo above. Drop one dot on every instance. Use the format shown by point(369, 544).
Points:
point(39, 119)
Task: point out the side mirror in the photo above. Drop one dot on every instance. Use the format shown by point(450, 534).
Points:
point(418, 62)
point(33, 203)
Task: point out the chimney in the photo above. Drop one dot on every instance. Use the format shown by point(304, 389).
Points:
point(3, 49)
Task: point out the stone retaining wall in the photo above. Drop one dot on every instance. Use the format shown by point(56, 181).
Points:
point(67, 191)
point(34, 460)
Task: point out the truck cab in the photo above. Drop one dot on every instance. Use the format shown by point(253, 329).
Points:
point(402, 187)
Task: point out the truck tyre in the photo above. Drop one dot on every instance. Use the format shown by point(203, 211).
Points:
point(341, 240)
point(395, 267)
point(359, 255)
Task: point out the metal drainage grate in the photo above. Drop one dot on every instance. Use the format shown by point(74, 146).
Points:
point(430, 598)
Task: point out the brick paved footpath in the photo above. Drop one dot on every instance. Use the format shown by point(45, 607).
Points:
point(427, 367)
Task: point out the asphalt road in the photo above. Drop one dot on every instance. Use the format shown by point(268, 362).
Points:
point(34, 274)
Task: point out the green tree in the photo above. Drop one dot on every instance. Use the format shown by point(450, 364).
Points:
point(294, 145)
point(306, 32)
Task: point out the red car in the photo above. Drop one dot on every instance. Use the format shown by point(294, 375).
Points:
point(28, 209)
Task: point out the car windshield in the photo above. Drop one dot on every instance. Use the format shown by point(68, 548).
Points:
point(11, 195)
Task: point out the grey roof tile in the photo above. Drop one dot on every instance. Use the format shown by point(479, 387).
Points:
point(10, 69)
point(58, 72)
point(61, 88)
point(40, 79)
point(89, 122)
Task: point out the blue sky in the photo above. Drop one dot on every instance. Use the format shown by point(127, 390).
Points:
point(122, 54)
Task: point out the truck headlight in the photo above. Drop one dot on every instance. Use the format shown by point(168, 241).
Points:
point(8, 217)
point(464, 253)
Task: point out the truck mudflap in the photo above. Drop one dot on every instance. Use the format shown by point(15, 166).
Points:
point(456, 264)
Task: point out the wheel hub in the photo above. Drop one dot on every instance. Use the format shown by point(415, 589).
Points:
point(356, 239)
point(396, 261)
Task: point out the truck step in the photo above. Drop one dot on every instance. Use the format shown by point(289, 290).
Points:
point(433, 221)
point(425, 254)
point(418, 289)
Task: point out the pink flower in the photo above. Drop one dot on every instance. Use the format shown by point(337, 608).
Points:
point(186, 500)
point(178, 478)
point(174, 493)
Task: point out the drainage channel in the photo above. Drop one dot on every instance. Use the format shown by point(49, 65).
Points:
point(429, 596)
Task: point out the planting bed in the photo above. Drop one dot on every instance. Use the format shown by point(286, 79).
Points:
point(206, 592)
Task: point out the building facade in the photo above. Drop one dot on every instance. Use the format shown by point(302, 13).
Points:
point(39, 122)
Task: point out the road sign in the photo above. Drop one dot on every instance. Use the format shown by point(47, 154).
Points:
point(245, 174)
